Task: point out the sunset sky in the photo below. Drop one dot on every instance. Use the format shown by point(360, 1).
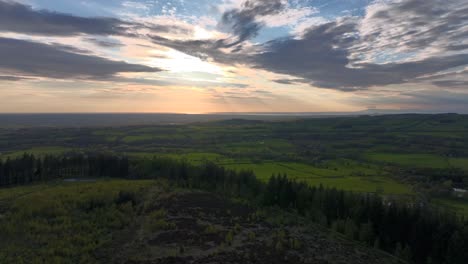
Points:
point(199, 56)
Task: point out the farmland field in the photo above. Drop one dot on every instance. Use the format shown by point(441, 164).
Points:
point(454, 205)
point(413, 160)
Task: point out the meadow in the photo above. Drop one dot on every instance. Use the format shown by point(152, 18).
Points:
point(456, 205)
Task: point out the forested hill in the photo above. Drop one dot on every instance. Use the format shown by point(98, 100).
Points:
point(412, 232)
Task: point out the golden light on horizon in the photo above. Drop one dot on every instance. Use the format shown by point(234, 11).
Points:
point(176, 61)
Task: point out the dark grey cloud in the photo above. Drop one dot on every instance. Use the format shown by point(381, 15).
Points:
point(26, 58)
point(16, 17)
point(11, 78)
point(243, 22)
point(203, 49)
point(174, 29)
point(322, 58)
point(457, 47)
point(19, 18)
point(104, 43)
point(451, 83)
point(70, 48)
point(289, 81)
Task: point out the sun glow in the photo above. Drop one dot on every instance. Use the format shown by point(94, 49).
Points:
point(176, 61)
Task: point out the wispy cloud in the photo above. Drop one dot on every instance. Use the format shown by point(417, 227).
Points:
point(19, 18)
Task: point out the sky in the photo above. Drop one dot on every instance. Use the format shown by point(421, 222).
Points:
point(205, 56)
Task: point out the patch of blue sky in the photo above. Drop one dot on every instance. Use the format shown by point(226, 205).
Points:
point(337, 8)
point(267, 34)
point(141, 7)
point(389, 56)
point(79, 8)
point(178, 8)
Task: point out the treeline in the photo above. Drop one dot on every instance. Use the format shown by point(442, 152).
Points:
point(28, 168)
point(456, 176)
point(411, 231)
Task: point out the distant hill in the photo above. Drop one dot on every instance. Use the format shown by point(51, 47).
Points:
point(132, 119)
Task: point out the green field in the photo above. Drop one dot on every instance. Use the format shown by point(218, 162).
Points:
point(459, 163)
point(38, 151)
point(456, 205)
point(326, 177)
point(410, 160)
point(131, 139)
point(192, 157)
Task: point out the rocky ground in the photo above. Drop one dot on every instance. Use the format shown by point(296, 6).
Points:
point(197, 227)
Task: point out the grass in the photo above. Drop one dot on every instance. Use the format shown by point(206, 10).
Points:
point(340, 178)
point(410, 160)
point(456, 205)
point(258, 147)
point(108, 133)
point(418, 160)
point(38, 151)
point(152, 137)
point(133, 139)
point(461, 163)
point(192, 157)
point(11, 193)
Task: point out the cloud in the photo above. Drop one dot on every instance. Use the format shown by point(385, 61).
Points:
point(26, 58)
point(289, 81)
point(322, 58)
point(327, 55)
point(104, 43)
point(451, 83)
point(302, 26)
point(20, 18)
point(288, 17)
point(244, 22)
point(420, 27)
point(203, 49)
point(12, 78)
point(425, 99)
point(347, 54)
